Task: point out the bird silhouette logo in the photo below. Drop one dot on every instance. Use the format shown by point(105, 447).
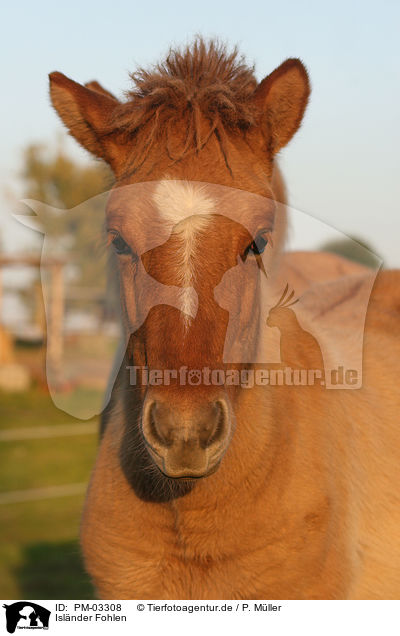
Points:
point(298, 346)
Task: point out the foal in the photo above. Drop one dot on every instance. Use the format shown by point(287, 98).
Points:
point(211, 490)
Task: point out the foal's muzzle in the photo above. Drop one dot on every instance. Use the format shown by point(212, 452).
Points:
point(187, 441)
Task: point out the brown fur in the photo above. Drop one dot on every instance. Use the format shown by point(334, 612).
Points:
point(303, 502)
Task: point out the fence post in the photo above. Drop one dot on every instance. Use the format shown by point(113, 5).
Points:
point(56, 324)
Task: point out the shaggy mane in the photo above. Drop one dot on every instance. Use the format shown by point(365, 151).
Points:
point(203, 82)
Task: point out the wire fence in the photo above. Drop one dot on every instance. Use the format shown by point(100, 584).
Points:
point(43, 432)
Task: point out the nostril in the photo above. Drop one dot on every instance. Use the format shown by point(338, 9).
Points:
point(155, 429)
point(218, 425)
point(199, 428)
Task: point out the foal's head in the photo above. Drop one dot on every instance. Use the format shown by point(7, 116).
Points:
point(192, 217)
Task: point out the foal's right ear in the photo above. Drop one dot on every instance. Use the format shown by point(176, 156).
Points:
point(86, 111)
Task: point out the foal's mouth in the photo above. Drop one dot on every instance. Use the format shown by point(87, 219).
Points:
point(185, 474)
point(190, 477)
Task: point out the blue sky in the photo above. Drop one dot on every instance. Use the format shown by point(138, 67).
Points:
point(342, 167)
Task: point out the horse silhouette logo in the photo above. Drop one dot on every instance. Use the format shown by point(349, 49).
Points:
point(26, 615)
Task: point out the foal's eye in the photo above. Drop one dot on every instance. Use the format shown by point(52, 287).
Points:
point(121, 247)
point(257, 246)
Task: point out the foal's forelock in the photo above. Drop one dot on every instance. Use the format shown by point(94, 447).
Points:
point(186, 208)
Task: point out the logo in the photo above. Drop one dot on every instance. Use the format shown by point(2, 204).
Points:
point(26, 615)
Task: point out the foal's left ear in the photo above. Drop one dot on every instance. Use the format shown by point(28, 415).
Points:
point(282, 98)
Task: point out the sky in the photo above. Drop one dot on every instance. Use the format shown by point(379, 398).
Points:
point(341, 167)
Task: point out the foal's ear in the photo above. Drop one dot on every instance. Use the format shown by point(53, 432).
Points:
point(95, 86)
point(86, 111)
point(282, 98)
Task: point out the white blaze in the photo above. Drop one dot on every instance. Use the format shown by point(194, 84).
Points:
point(184, 207)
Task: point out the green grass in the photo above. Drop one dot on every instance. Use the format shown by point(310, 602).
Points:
point(33, 408)
point(38, 463)
point(39, 549)
point(36, 408)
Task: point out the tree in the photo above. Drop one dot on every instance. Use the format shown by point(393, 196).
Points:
point(59, 181)
point(354, 249)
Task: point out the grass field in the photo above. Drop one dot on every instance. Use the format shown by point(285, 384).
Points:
point(39, 550)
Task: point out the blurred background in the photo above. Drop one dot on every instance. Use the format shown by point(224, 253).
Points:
point(341, 169)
